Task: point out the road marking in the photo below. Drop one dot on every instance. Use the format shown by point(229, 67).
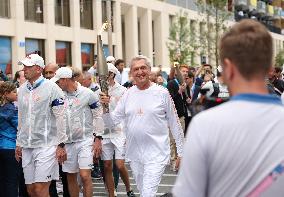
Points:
point(134, 184)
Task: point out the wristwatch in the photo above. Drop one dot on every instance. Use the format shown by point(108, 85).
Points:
point(61, 145)
point(97, 137)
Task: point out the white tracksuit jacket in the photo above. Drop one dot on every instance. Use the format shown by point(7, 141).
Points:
point(83, 114)
point(41, 114)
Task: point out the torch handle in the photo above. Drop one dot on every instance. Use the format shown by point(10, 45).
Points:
point(104, 89)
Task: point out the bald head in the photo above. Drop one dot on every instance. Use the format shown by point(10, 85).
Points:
point(49, 70)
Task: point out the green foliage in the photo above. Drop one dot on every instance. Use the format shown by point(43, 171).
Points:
point(279, 59)
point(216, 14)
point(182, 42)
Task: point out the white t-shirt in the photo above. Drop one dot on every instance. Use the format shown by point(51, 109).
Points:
point(235, 149)
point(147, 115)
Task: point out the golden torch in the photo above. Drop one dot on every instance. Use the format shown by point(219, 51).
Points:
point(102, 68)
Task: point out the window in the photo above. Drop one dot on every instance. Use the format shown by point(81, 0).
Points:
point(34, 46)
point(104, 12)
point(63, 53)
point(34, 11)
point(5, 8)
point(86, 14)
point(181, 3)
point(106, 50)
point(87, 55)
point(6, 55)
point(62, 12)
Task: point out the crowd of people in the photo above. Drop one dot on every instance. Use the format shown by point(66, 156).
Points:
point(56, 122)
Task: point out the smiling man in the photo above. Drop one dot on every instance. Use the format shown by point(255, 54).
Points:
point(147, 110)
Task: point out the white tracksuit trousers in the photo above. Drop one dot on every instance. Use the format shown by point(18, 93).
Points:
point(147, 177)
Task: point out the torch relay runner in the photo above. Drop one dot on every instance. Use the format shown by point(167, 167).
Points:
point(147, 111)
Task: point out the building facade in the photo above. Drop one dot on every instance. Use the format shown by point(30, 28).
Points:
point(65, 31)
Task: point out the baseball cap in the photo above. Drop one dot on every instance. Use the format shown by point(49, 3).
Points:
point(110, 59)
point(63, 72)
point(112, 68)
point(33, 59)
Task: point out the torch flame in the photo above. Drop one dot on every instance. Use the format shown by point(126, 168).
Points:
point(104, 27)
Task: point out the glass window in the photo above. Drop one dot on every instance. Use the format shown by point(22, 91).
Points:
point(5, 8)
point(87, 55)
point(86, 14)
point(34, 11)
point(63, 53)
point(104, 12)
point(191, 4)
point(62, 12)
point(6, 55)
point(181, 3)
point(174, 2)
point(106, 50)
point(35, 46)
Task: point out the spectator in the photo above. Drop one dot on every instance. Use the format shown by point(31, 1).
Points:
point(161, 81)
point(179, 96)
point(236, 149)
point(274, 82)
point(49, 70)
point(122, 76)
point(3, 77)
point(278, 71)
point(19, 78)
point(162, 73)
point(9, 167)
point(153, 77)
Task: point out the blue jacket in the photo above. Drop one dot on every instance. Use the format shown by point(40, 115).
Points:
point(8, 126)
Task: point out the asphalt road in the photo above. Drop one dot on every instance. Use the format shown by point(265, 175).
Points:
point(165, 186)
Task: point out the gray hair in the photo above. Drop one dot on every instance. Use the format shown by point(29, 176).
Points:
point(87, 74)
point(140, 57)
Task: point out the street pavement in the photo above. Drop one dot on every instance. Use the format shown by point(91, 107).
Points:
point(165, 186)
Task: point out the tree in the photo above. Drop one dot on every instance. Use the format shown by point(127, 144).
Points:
point(279, 59)
point(216, 15)
point(182, 43)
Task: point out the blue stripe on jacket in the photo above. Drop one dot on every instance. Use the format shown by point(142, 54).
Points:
point(94, 105)
point(57, 102)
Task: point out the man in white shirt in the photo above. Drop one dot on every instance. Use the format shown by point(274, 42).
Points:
point(236, 149)
point(41, 130)
point(147, 111)
point(122, 76)
point(83, 121)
